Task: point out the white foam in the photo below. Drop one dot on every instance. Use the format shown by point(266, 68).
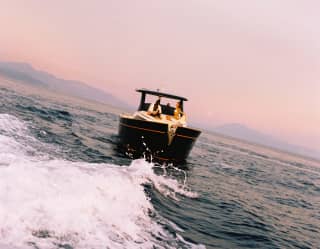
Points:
point(51, 202)
point(10, 124)
point(11, 129)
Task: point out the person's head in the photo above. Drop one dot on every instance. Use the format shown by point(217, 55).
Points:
point(157, 102)
point(179, 104)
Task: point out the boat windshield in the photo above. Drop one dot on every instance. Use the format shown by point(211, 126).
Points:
point(167, 104)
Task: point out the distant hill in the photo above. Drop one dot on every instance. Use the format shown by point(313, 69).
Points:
point(247, 134)
point(25, 73)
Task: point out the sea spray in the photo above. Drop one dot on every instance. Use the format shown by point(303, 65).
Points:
point(52, 203)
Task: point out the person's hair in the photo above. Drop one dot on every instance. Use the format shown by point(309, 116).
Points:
point(156, 104)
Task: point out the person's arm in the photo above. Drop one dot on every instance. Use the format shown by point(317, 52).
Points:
point(152, 112)
point(150, 109)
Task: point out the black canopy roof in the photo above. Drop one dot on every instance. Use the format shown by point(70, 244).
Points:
point(161, 94)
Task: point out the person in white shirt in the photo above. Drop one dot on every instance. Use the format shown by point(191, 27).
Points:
point(154, 110)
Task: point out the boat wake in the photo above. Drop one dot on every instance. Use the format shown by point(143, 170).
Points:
point(47, 202)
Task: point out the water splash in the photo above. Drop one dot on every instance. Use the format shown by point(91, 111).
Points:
point(54, 203)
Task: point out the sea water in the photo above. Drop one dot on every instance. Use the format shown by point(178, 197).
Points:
point(64, 185)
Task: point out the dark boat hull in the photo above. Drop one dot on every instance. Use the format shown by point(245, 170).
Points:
point(139, 137)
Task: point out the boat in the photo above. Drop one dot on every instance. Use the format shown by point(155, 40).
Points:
point(162, 138)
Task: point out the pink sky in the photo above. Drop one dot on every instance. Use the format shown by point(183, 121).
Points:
point(250, 62)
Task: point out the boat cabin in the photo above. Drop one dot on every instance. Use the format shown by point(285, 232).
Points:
point(166, 109)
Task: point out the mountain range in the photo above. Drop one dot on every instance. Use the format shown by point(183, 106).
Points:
point(25, 73)
point(242, 132)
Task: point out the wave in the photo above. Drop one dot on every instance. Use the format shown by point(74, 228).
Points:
point(52, 203)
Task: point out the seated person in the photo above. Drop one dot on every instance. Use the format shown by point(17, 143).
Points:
point(178, 113)
point(168, 117)
point(155, 109)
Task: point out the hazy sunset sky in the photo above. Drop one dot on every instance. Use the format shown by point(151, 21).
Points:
point(251, 62)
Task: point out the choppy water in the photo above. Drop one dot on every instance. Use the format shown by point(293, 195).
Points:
point(63, 185)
